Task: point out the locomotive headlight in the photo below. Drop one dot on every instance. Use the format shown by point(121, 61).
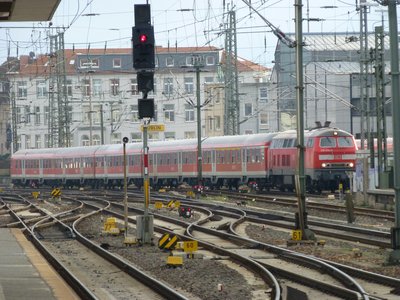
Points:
point(323, 165)
point(351, 165)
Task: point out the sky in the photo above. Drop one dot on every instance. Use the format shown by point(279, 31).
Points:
point(185, 23)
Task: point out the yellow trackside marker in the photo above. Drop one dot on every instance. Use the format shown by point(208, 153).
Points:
point(146, 192)
point(177, 204)
point(297, 235)
point(35, 194)
point(56, 193)
point(170, 203)
point(158, 205)
point(190, 246)
point(163, 240)
point(171, 243)
point(174, 261)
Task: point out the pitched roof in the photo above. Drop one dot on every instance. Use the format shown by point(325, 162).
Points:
point(42, 64)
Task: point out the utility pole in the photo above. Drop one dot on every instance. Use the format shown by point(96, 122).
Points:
point(300, 177)
point(197, 66)
point(231, 107)
point(102, 124)
point(394, 64)
point(58, 125)
point(380, 107)
point(363, 73)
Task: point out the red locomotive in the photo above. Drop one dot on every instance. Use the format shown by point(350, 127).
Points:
point(267, 160)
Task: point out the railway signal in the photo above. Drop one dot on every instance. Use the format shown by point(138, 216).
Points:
point(185, 212)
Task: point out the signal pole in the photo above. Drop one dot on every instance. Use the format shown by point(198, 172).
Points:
point(143, 45)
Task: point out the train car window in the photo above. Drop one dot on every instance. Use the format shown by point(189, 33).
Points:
point(286, 143)
point(310, 143)
point(345, 141)
point(327, 142)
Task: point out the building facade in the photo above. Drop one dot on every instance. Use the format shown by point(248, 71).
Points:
point(100, 93)
point(331, 84)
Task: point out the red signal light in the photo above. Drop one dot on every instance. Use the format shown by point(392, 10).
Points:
point(143, 38)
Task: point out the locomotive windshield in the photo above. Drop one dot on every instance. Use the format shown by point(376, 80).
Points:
point(345, 141)
point(341, 141)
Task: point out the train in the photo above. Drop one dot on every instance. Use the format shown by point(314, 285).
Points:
point(268, 160)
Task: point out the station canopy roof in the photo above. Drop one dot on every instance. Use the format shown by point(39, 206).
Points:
point(27, 10)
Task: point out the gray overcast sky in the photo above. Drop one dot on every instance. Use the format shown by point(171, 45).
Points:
point(105, 23)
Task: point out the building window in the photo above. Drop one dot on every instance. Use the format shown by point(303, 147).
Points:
point(96, 140)
point(263, 94)
point(95, 114)
point(263, 118)
point(189, 87)
point(210, 123)
point(169, 135)
point(189, 113)
point(116, 138)
point(248, 109)
point(134, 87)
point(189, 135)
point(189, 61)
point(86, 90)
point(69, 87)
point(136, 137)
point(22, 91)
point(46, 115)
point(86, 117)
point(41, 89)
point(46, 140)
point(27, 114)
point(37, 115)
point(116, 63)
point(134, 114)
point(97, 90)
point(155, 113)
point(208, 80)
point(114, 87)
point(85, 140)
point(169, 112)
point(154, 136)
point(114, 114)
point(38, 141)
point(169, 61)
point(27, 141)
point(89, 63)
point(210, 60)
point(217, 123)
point(168, 86)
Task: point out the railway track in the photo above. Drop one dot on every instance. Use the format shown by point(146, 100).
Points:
point(277, 199)
point(216, 232)
point(85, 266)
point(251, 249)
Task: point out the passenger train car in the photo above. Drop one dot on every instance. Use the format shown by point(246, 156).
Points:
point(268, 159)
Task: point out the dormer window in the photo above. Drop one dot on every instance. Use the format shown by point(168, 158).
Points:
point(210, 60)
point(189, 60)
point(169, 61)
point(116, 63)
point(86, 63)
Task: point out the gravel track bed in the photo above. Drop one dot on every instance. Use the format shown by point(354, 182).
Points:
point(199, 277)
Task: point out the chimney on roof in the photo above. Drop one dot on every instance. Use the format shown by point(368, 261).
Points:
point(318, 124)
